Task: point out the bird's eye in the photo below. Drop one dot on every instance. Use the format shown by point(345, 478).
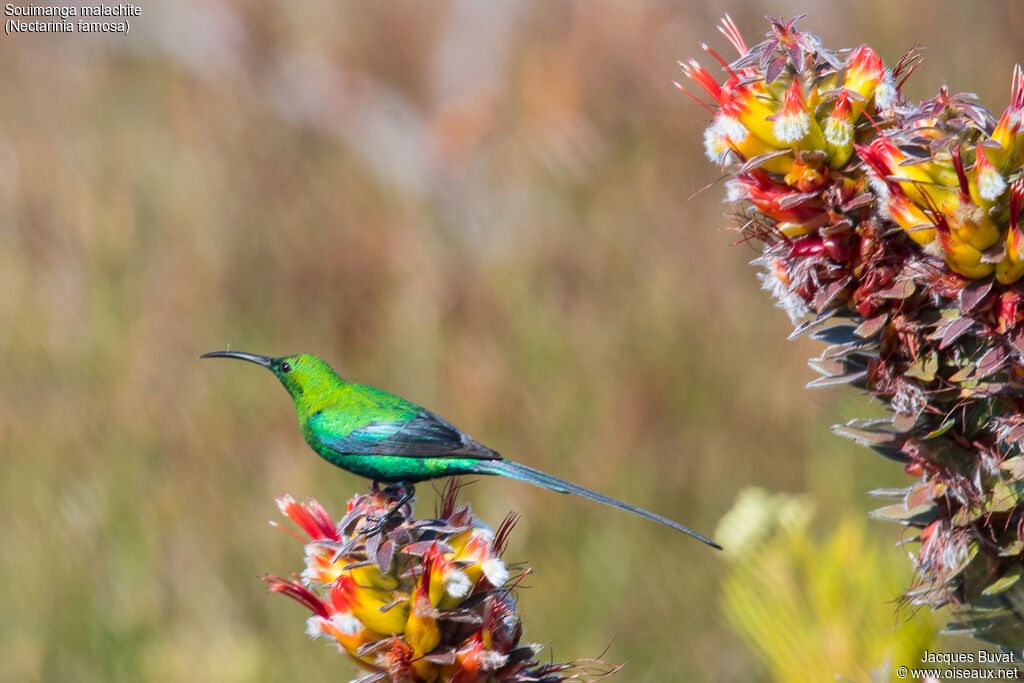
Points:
point(285, 367)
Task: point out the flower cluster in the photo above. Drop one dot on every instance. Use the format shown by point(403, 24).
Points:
point(891, 231)
point(811, 130)
point(420, 601)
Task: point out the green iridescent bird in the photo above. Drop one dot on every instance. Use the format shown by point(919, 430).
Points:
point(385, 438)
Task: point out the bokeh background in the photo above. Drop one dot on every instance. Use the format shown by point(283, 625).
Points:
point(489, 208)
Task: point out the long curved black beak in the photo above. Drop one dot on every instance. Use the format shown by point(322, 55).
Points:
point(251, 357)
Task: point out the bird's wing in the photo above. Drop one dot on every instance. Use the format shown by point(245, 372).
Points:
point(426, 435)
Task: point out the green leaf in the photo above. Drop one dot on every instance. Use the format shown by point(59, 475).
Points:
point(1015, 467)
point(1005, 497)
point(904, 422)
point(1013, 548)
point(962, 374)
point(925, 367)
point(968, 514)
point(954, 572)
point(897, 494)
point(810, 325)
point(941, 429)
point(921, 515)
point(1004, 582)
point(866, 431)
point(834, 381)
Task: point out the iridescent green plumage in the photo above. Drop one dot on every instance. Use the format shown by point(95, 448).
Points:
point(386, 438)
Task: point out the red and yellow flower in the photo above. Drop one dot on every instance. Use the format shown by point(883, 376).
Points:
point(399, 603)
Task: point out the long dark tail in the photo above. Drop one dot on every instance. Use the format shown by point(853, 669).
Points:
point(513, 470)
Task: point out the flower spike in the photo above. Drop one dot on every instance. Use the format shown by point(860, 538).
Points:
point(428, 603)
point(903, 221)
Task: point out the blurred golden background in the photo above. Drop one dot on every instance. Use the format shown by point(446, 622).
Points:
point(484, 207)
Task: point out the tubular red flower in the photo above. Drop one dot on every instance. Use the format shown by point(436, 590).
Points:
point(1007, 132)
point(745, 101)
point(313, 519)
point(793, 122)
point(839, 128)
point(775, 200)
point(909, 216)
point(700, 76)
point(864, 73)
point(988, 183)
point(894, 168)
point(296, 591)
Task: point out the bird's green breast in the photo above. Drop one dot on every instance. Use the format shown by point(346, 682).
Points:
point(331, 409)
point(393, 468)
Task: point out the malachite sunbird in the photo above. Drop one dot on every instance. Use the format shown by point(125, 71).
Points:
point(385, 438)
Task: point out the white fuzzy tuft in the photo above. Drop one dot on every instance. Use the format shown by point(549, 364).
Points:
point(315, 627)
point(731, 128)
point(991, 184)
point(347, 623)
point(908, 399)
point(715, 147)
point(734, 192)
point(881, 188)
point(791, 303)
point(482, 532)
point(791, 127)
point(935, 248)
point(456, 583)
point(838, 132)
point(491, 660)
point(886, 94)
point(495, 571)
point(1016, 119)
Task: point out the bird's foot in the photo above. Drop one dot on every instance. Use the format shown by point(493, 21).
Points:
point(402, 493)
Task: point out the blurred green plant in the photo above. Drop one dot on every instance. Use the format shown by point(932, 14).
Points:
point(815, 610)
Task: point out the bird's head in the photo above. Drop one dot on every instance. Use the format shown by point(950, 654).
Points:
point(301, 373)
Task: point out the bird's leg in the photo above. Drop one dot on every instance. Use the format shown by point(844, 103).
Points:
point(407, 492)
